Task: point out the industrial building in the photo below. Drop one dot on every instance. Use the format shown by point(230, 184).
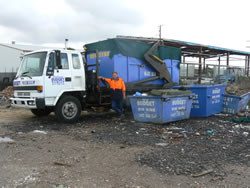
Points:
point(10, 57)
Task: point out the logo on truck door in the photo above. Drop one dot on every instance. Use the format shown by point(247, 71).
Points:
point(58, 80)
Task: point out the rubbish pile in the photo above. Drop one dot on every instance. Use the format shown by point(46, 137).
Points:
point(198, 147)
point(166, 92)
point(173, 133)
point(6, 94)
point(237, 90)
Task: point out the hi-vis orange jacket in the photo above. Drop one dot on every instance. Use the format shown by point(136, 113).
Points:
point(117, 86)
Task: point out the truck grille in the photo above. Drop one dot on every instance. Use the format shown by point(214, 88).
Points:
point(23, 94)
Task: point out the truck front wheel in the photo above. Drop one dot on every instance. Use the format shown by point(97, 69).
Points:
point(68, 109)
point(41, 112)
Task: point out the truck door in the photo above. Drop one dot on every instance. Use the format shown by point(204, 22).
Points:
point(60, 80)
point(78, 75)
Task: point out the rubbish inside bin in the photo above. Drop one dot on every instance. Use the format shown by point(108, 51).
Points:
point(166, 92)
point(138, 94)
point(236, 90)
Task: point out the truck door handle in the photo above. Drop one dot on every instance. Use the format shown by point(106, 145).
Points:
point(68, 79)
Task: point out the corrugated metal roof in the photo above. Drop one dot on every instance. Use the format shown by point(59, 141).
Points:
point(30, 48)
point(208, 46)
point(25, 48)
point(189, 46)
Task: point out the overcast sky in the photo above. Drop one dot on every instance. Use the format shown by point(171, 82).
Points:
point(222, 23)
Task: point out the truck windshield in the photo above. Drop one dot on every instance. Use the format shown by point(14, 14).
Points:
point(33, 64)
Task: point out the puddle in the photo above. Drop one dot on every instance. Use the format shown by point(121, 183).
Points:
point(6, 139)
point(59, 186)
point(38, 131)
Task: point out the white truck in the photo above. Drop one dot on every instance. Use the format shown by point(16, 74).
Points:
point(57, 80)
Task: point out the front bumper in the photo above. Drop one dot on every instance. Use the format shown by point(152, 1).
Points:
point(32, 103)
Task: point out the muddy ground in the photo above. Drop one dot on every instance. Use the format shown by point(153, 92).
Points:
point(102, 151)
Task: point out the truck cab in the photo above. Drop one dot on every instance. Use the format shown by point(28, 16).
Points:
point(51, 80)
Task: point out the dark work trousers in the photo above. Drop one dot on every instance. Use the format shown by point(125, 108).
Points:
point(117, 105)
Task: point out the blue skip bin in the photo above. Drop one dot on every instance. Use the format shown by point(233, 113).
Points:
point(161, 109)
point(233, 104)
point(208, 99)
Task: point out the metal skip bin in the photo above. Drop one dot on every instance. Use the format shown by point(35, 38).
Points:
point(208, 99)
point(127, 58)
point(233, 104)
point(161, 109)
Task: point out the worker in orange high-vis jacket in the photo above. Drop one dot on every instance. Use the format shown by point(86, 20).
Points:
point(118, 92)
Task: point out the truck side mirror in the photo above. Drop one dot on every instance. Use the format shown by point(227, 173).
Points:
point(58, 59)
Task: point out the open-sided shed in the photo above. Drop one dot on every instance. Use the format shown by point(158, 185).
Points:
point(200, 51)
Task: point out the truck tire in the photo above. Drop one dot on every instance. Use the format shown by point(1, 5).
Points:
point(68, 109)
point(41, 112)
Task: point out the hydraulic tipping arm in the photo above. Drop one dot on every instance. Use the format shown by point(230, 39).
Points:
point(159, 66)
point(157, 63)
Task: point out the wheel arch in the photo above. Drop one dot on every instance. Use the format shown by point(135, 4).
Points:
point(75, 93)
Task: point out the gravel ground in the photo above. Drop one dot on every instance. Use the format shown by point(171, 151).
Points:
point(219, 144)
point(124, 153)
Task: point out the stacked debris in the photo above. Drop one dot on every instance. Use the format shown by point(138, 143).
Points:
point(5, 95)
point(239, 88)
point(8, 92)
point(235, 89)
point(166, 92)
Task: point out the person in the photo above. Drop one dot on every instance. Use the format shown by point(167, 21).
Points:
point(118, 92)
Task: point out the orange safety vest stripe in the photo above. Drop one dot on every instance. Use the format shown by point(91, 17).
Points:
point(116, 84)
